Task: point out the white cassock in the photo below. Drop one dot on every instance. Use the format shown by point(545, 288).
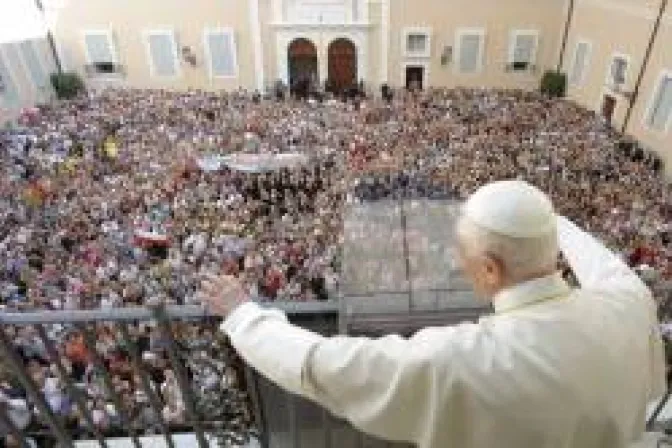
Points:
point(553, 367)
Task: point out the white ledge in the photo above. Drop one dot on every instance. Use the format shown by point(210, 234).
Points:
point(316, 25)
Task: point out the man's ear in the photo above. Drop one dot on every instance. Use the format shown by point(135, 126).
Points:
point(493, 271)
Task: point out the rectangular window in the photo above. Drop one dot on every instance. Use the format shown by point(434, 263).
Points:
point(661, 109)
point(618, 70)
point(162, 49)
point(32, 62)
point(100, 52)
point(416, 42)
point(523, 50)
point(579, 64)
point(8, 90)
point(220, 50)
point(470, 51)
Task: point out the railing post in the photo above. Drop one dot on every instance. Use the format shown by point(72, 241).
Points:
point(360, 440)
point(252, 381)
point(293, 421)
point(158, 309)
point(154, 401)
point(89, 342)
point(70, 387)
point(15, 363)
point(326, 427)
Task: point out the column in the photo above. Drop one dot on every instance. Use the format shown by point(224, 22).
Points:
point(323, 58)
point(278, 15)
point(255, 30)
point(385, 41)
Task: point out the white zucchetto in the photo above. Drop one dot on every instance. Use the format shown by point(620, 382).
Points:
point(512, 208)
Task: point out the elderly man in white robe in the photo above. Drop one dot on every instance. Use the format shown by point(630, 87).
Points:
point(552, 367)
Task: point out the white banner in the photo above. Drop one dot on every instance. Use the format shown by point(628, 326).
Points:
point(210, 163)
point(253, 163)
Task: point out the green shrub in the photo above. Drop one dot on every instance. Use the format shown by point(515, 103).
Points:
point(554, 84)
point(67, 85)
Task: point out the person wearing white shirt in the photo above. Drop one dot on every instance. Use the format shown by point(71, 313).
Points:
point(106, 303)
point(551, 367)
point(18, 412)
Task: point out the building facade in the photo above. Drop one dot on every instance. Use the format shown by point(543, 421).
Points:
point(226, 44)
point(617, 53)
point(619, 65)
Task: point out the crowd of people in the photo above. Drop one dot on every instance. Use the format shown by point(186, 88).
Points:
point(107, 202)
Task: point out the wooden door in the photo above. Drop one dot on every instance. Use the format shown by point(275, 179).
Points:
point(302, 58)
point(342, 65)
point(608, 107)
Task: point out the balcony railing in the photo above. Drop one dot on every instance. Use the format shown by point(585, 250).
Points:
point(281, 420)
point(56, 432)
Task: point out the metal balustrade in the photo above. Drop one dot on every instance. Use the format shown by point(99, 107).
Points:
point(121, 318)
point(283, 420)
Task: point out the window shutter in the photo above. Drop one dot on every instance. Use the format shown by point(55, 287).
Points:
point(36, 70)
point(221, 49)
point(98, 48)
point(580, 59)
point(470, 49)
point(662, 107)
point(618, 69)
point(8, 90)
point(162, 54)
point(524, 49)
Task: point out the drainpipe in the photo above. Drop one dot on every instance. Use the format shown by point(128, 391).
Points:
point(645, 64)
point(50, 39)
point(565, 35)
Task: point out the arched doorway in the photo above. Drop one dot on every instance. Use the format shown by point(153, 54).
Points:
point(342, 65)
point(302, 58)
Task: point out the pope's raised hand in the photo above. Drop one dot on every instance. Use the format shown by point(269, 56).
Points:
point(221, 294)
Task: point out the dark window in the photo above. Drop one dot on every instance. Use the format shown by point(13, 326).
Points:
point(520, 65)
point(414, 77)
point(104, 67)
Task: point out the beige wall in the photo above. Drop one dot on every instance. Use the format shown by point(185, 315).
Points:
point(622, 26)
point(28, 89)
point(128, 19)
point(498, 19)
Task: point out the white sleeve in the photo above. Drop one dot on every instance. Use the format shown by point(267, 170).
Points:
point(596, 268)
point(266, 341)
point(388, 387)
